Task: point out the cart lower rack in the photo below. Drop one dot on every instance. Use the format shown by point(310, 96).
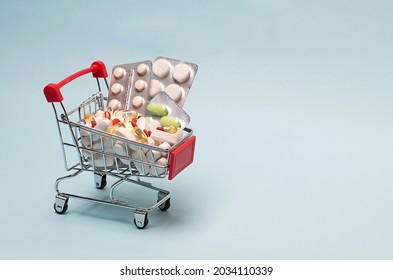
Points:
point(97, 152)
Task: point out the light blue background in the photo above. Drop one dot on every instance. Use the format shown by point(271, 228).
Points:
point(292, 107)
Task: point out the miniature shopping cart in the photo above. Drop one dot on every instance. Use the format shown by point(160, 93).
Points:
point(124, 168)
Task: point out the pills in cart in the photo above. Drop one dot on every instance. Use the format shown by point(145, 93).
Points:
point(144, 105)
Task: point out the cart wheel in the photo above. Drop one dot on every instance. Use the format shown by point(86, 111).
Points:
point(140, 220)
point(62, 211)
point(165, 206)
point(144, 224)
point(100, 180)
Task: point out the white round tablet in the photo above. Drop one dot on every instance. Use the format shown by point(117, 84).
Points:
point(138, 101)
point(155, 87)
point(119, 72)
point(114, 104)
point(140, 85)
point(174, 91)
point(116, 88)
point(181, 73)
point(142, 69)
point(161, 68)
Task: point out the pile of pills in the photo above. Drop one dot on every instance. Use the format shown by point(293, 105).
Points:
point(144, 105)
point(131, 125)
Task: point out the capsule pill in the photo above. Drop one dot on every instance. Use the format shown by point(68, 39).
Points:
point(157, 110)
point(170, 121)
point(170, 129)
point(89, 118)
point(140, 135)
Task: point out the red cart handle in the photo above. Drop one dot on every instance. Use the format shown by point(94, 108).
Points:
point(52, 91)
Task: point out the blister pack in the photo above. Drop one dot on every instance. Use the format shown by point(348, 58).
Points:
point(140, 86)
point(164, 109)
point(173, 76)
point(121, 79)
point(129, 86)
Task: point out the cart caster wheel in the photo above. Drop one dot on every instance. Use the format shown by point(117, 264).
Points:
point(141, 226)
point(165, 206)
point(59, 209)
point(100, 180)
point(141, 220)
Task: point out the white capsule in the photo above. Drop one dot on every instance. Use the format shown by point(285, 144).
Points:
point(121, 150)
point(157, 171)
point(100, 113)
point(125, 133)
point(101, 160)
point(162, 136)
point(140, 156)
point(152, 156)
point(166, 146)
point(141, 123)
point(150, 141)
point(102, 125)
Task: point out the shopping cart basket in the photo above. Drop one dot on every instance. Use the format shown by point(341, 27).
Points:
point(93, 146)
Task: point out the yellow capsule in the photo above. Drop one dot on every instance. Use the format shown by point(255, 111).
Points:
point(113, 128)
point(170, 129)
point(89, 118)
point(128, 115)
point(140, 135)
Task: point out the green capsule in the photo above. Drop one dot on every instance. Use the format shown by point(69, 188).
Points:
point(170, 121)
point(157, 110)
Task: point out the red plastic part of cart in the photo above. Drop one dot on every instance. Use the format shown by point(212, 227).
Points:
point(181, 157)
point(52, 91)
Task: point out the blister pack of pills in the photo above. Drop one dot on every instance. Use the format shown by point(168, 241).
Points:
point(140, 86)
point(129, 86)
point(173, 76)
point(133, 85)
point(164, 109)
point(121, 79)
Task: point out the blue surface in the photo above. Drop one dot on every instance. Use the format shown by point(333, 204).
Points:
point(292, 108)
